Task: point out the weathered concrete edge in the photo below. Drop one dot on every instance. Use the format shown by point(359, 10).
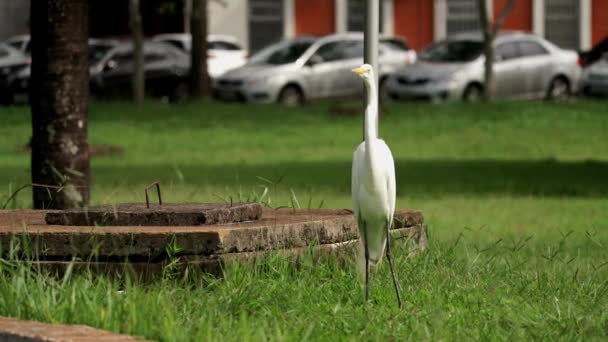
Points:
point(286, 236)
point(16, 330)
point(103, 216)
point(415, 237)
point(151, 243)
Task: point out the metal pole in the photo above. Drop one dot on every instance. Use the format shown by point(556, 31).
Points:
point(371, 34)
point(371, 37)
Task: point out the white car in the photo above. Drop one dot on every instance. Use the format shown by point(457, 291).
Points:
point(527, 66)
point(223, 52)
point(296, 70)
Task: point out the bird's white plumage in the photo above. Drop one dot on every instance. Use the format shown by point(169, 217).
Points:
point(373, 176)
point(373, 195)
point(373, 186)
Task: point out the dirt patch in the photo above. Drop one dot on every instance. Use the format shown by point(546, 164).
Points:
point(17, 330)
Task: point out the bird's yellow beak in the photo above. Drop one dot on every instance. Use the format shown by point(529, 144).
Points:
point(359, 71)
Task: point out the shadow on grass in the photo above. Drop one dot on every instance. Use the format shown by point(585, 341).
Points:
point(414, 177)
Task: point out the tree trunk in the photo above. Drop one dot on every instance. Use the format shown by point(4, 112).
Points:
point(488, 51)
point(139, 85)
point(59, 101)
point(490, 30)
point(200, 84)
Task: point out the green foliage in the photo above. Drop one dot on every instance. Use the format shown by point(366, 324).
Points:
point(514, 194)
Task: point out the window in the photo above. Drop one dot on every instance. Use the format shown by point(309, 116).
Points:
point(265, 23)
point(356, 15)
point(97, 52)
point(3, 52)
point(222, 45)
point(462, 16)
point(396, 44)
point(153, 56)
point(506, 51)
point(452, 51)
point(175, 42)
point(281, 53)
point(529, 48)
point(353, 49)
point(123, 59)
point(562, 22)
point(16, 44)
point(335, 51)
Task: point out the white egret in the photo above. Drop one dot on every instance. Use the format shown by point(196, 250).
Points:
point(373, 185)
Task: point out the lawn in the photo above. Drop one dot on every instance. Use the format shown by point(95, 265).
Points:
point(515, 195)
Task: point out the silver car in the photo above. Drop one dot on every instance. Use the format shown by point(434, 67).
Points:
point(11, 62)
point(306, 68)
point(595, 78)
point(526, 66)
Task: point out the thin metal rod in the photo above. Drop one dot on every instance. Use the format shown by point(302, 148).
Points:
point(371, 39)
point(390, 262)
point(371, 34)
point(160, 200)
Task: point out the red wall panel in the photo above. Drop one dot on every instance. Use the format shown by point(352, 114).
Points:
point(314, 17)
point(599, 20)
point(520, 17)
point(413, 20)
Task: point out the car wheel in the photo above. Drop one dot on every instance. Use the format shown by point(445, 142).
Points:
point(559, 89)
point(291, 96)
point(472, 93)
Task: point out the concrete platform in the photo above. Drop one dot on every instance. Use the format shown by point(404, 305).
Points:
point(205, 246)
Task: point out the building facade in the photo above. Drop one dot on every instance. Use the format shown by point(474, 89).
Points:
point(575, 24)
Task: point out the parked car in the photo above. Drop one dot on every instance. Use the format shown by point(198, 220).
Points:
point(223, 52)
point(594, 81)
point(595, 53)
point(166, 70)
point(305, 68)
point(11, 61)
point(18, 82)
point(526, 66)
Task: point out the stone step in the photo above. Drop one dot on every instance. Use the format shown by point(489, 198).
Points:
point(415, 236)
point(277, 229)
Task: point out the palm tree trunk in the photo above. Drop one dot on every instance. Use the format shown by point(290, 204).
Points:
point(59, 101)
point(200, 83)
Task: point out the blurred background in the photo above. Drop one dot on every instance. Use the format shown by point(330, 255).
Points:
point(238, 30)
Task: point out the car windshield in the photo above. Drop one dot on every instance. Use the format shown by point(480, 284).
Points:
point(452, 51)
point(281, 53)
point(96, 52)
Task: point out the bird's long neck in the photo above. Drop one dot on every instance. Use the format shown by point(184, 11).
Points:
point(371, 111)
point(371, 129)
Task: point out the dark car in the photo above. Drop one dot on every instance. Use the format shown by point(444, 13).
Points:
point(595, 53)
point(11, 61)
point(166, 70)
point(18, 82)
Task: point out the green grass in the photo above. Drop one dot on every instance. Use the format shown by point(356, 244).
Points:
point(515, 195)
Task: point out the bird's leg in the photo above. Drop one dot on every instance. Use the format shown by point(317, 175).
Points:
point(390, 262)
point(366, 249)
